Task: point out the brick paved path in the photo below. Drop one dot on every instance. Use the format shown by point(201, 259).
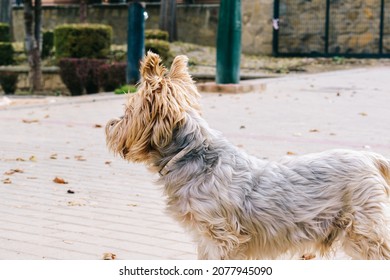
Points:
point(115, 206)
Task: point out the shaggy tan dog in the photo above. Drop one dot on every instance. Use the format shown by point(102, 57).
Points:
point(237, 206)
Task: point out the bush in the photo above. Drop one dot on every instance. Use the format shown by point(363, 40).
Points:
point(112, 76)
point(80, 73)
point(4, 32)
point(82, 40)
point(47, 43)
point(159, 47)
point(156, 34)
point(6, 53)
point(126, 89)
point(8, 81)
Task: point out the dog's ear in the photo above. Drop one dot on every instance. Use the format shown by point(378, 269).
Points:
point(152, 70)
point(179, 69)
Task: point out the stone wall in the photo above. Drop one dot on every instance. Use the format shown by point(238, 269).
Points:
point(353, 26)
point(196, 23)
point(257, 26)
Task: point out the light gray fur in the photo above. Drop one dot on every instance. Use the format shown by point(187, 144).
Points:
point(238, 206)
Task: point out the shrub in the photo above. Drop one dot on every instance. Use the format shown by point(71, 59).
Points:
point(8, 81)
point(156, 34)
point(69, 76)
point(159, 47)
point(126, 89)
point(4, 32)
point(47, 43)
point(112, 76)
point(116, 1)
point(79, 74)
point(6, 53)
point(82, 40)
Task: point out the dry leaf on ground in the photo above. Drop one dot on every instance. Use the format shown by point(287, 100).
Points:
point(97, 126)
point(291, 153)
point(308, 256)
point(7, 181)
point(33, 158)
point(109, 256)
point(314, 130)
point(53, 156)
point(30, 121)
point(13, 171)
point(363, 114)
point(59, 180)
point(80, 158)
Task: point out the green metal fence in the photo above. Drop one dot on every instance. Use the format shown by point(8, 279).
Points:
point(350, 28)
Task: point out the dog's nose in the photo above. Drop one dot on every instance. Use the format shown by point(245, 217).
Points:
point(111, 123)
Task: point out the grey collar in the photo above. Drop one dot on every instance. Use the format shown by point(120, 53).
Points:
point(167, 168)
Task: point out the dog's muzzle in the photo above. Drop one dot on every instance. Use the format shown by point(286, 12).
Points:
point(111, 124)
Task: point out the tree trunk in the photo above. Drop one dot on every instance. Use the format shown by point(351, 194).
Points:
point(5, 11)
point(83, 11)
point(167, 20)
point(32, 26)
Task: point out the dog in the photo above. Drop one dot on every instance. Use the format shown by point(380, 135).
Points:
point(237, 206)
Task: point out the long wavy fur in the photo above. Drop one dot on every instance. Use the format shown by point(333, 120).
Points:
point(237, 206)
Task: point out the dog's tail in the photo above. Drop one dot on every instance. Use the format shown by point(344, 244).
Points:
point(383, 165)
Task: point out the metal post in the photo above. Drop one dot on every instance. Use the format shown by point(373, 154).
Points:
point(135, 41)
point(327, 12)
point(381, 26)
point(229, 42)
point(275, 25)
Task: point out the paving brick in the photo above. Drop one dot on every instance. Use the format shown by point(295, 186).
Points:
point(116, 207)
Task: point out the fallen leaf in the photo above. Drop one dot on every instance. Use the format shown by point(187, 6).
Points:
point(363, 114)
point(70, 191)
point(80, 158)
point(13, 171)
point(314, 130)
point(109, 256)
point(291, 153)
point(132, 204)
point(7, 181)
point(242, 126)
point(47, 116)
point(332, 134)
point(59, 180)
point(20, 159)
point(308, 256)
point(53, 156)
point(97, 126)
point(76, 203)
point(30, 121)
point(108, 162)
point(33, 158)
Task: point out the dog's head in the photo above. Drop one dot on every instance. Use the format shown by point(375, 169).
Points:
point(163, 97)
